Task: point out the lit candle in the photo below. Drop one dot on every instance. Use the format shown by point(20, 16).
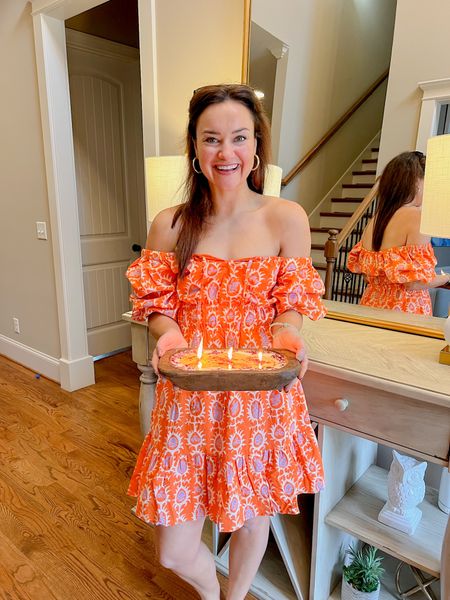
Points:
point(230, 357)
point(260, 359)
point(200, 353)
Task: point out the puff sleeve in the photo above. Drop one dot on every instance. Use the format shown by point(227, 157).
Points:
point(353, 264)
point(153, 278)
point(299, 288)
point(411, 263)
point(400, 264)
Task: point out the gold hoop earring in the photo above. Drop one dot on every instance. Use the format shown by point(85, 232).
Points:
point(257, 163)
point(199, 172)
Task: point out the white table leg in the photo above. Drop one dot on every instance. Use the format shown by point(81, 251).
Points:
point(146, 396)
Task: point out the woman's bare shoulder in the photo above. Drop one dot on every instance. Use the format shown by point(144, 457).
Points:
point(285, 211)
point(162, 235)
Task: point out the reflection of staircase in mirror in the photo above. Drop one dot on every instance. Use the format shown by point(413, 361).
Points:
point(342, 205)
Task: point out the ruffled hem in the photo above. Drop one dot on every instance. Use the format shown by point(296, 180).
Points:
point(399, 264)
point(171, 491)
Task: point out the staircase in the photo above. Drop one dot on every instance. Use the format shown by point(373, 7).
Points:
point(342, 208)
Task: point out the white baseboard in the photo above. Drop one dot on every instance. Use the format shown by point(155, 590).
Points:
point(70, 374)
point(29, 357)
point(76, 374)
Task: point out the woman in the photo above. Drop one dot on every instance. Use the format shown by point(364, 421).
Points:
point(232, 266)
point(398, 262)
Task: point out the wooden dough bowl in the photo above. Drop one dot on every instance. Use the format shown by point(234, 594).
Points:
point(215, 380)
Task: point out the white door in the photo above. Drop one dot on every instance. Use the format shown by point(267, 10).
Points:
point(107, 133)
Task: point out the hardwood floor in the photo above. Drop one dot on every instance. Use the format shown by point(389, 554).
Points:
point(66, 527)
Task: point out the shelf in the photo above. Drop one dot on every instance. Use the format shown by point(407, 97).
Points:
point(357, 514)
point(388, 591)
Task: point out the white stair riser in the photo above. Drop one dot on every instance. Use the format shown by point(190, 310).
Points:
point(373, 155)
point(363, 179)
point(344, 206)
point(338, 222)
point(317, 256)
point(354, 192)
point(319, 237)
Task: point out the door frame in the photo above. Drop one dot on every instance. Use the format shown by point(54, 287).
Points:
point(76, 367)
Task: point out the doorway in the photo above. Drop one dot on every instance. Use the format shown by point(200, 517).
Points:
point(104, 82)
point(75, 363)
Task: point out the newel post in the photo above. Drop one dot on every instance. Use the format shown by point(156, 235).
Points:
point(331, 252)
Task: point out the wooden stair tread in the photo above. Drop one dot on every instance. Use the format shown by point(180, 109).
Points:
point(317, 246)
point(335, 214)
point(366, 186)
point(347, 199)
point(375, 149)
point(369, 160)
point(365, 172)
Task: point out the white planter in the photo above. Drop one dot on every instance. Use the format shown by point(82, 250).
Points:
point(348, 592)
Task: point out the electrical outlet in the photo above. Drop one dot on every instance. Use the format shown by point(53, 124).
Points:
point(16, 325)
point(41, 230)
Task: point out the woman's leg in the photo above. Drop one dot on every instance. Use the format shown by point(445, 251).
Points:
point(181, 549)
point(247, 547)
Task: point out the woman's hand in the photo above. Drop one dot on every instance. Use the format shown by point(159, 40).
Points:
point(290, 339)
point(167, 341)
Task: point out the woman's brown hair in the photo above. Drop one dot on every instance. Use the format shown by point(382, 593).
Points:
point(398, 186)
point(198, 205)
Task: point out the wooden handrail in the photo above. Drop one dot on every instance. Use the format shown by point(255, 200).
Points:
point(329, 134)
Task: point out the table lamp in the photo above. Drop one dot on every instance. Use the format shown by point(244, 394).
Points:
point(435, 219)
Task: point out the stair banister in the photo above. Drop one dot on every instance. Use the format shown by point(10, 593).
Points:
point(336, 240)
point(329, 134)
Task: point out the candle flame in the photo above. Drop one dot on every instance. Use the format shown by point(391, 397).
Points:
point(260, 359)
point(200, 350)
point(230, 353)
point(199, 364)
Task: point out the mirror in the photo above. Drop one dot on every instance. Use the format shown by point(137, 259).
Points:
point(291, 49)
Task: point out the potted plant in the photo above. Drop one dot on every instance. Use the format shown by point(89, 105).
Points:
point(361, 577)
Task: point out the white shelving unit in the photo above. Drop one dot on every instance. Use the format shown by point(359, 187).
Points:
point(357, 514)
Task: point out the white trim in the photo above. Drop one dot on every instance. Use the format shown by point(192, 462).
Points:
point(63, 9)
point(29, 357)
point(149, 77)
point(99, 46)
point(435, 93)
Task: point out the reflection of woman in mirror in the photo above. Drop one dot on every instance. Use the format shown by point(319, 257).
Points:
point(397, 261)
point(230, 265)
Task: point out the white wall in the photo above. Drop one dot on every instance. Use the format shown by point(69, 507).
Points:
point(336, 50)
point(198, 43)
point(420, 52)
point(26, 263)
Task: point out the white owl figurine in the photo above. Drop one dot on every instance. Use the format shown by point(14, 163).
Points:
point(406, 489)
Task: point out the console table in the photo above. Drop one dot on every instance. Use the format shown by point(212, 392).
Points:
point(364, 386)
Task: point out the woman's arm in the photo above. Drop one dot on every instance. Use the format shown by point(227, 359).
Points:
point(164, 329)
point(434, 283)
point(295, 241)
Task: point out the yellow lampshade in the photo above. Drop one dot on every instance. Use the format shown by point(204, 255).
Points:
point(165, 176)
point(435, 220)
point(164, 182)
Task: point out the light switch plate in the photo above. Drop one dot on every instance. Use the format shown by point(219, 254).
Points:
point(41, 230)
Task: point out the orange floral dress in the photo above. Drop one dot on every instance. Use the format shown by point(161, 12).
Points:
point(388, 270)
point(227, 455)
